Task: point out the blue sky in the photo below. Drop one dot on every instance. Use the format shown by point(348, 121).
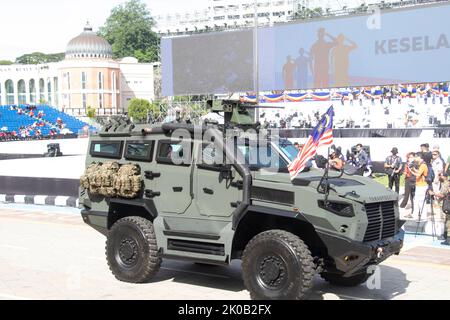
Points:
point(48, 25)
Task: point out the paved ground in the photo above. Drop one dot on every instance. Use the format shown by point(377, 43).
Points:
point(53, 255)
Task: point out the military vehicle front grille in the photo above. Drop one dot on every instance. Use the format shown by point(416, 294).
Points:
point(381, 217)
point(387, 209)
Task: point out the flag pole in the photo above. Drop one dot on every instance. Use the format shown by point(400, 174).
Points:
point(326, 175)
point(327, 171)
point(255, 59)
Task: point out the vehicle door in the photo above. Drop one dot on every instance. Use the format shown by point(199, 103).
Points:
point(171, 186)
point(217, 186)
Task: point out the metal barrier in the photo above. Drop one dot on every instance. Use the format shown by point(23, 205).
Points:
point(55, 137)
point(80, 112)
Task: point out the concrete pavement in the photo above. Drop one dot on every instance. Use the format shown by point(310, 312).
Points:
point(48, 253)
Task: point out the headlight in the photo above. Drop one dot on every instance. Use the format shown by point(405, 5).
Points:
point(343, 209)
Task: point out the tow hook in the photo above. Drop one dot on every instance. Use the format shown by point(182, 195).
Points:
point(380, 253)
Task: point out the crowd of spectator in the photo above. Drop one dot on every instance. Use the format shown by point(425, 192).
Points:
point(32, 131)
point(388, 94)
point(27, 133)
point(426, 181)
point(425, 173)
point(407, 116)
point(402, 106)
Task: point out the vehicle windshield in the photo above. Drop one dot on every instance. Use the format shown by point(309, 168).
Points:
point(262, 156)
point(288, 149)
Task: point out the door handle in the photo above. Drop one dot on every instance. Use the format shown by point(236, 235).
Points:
point(208, 191)
point(177, 189)
point(150, 175)
point(151, 194)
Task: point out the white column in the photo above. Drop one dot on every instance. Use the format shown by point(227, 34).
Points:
point(27, 91)
point(60, 98)
point(47, 97)
point(52, 89)
point(16, 92)
point(113, 90)
point(36, 91)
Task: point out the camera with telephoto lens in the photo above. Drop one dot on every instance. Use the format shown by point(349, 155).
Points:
point(414, 165)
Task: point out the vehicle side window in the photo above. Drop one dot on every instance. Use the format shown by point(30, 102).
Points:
point(139, 151)
point(106, 149)
point(262, 156)
point(174, 153)
point(210, 156)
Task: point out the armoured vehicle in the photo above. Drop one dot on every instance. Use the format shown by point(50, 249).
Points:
point(169, 202)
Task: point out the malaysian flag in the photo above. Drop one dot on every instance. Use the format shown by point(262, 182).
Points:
point(322, 135)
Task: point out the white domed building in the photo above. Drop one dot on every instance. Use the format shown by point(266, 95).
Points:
point(87, 77)
point(88, 45)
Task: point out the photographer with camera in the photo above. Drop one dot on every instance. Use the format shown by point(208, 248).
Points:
point(393, 167)
point(420, 171)
point(360, 159)
point(410, 181)
point(442, 198)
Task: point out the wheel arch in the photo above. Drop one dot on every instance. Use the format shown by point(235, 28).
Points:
point(260, 219)
point(119, 208)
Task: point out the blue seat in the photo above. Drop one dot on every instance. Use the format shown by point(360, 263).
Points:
point(13, 121)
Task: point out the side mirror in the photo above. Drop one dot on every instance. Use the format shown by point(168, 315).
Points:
point(226, 172)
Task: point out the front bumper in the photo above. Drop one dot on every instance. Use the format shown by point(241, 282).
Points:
point(352, 257)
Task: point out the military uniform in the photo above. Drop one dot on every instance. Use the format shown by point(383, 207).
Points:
point(445, 188)
point(447, 229)
point(395, 164)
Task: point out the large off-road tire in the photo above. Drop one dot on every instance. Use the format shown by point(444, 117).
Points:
point(339, 280)
point(277, 265)
point(131, 250)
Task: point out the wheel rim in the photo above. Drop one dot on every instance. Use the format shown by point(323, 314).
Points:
point(127, 252)
point(271, 272)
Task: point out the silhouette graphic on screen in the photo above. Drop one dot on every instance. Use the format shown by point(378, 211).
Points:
point(340, 60)
point(302, 63)
point(320, 58)
point(288, 73)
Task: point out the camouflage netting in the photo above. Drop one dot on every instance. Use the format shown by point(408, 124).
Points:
point(87, 181)
point(112, 180)
point(128, 181)
point(105, 179)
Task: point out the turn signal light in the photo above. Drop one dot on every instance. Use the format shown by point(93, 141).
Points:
point(350, 258)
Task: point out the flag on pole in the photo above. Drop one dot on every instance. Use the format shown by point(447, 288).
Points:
point(322, 135)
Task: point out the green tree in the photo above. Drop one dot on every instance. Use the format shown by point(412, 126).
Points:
point(5, 62)
point(140, 108)
point(363, 8)
point(39, 57)
point(91, 112)
point(307, 13)
point(129, 31)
